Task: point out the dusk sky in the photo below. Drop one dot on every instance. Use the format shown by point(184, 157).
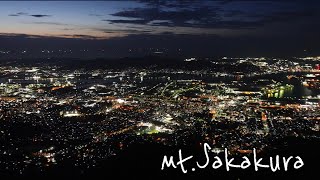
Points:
point(204, 28)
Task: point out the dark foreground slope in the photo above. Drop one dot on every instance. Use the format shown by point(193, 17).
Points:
point(144, 162)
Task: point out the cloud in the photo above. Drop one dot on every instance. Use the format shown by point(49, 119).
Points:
point(125, 31)
point(161, 23)
point(96, 15)
point(32, 15)
point(15, 35)
point(136, 21)
point(178, 17)
point(128, 31)
point(51, 23)
point(211, 14)
point(68, 29)
point(40, 15)
point(172, 4)
point(47, 37)
point(19, 14)
point(78, 36)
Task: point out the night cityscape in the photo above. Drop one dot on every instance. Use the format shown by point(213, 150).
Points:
point(113, 89)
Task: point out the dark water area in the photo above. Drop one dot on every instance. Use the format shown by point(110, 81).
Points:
point(290, 87)
point(3, 80)
point(300, 90)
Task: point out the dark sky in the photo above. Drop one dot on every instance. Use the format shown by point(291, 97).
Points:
point(194, 28)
